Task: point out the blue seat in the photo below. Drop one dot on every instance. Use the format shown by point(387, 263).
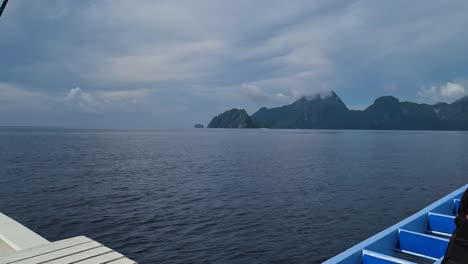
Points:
point(421, 245)
point(440, 224)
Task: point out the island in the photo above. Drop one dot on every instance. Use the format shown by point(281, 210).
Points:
point(329, 112)
point(234, 118)
point(199, 126)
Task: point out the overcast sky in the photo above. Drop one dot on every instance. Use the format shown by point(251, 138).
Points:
point(171, 64)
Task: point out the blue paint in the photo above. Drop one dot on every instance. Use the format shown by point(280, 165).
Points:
point(456, 206)
point(441, 224)
point(420, 244)
point(408, 236)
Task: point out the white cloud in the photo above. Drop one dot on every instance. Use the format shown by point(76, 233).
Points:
point(445, 93)
point(102, 101)
point(225, 51)
point(298, 92)
point(164, 41)
point(82, 101)
point(428, 95)
point(258, 95)
point(281, 95)
point(452, 91)
point(15, 97)
point(157, 63)
point(125, 95)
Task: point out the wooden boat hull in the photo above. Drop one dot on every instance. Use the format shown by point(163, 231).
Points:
point(424, 235)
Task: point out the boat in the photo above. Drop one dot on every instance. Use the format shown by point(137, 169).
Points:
point(20, 245)
point(420, 238)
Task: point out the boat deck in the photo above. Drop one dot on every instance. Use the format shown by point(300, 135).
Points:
point(5, 248)
point(74, 250)
point(19, 245)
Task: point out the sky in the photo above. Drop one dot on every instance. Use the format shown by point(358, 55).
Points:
point(171, 64)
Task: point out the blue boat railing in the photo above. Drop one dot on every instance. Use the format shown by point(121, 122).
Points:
point(424, 236)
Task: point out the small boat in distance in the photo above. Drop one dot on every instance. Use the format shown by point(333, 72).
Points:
point(420, 238)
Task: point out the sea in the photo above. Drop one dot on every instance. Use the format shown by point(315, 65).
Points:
point(224, 195)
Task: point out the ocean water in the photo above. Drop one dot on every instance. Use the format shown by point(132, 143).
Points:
point(224, 196)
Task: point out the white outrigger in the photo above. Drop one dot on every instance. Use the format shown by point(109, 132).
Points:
point(20, 245)
point(422, 237)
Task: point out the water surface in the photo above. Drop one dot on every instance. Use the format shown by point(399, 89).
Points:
point(225, 196)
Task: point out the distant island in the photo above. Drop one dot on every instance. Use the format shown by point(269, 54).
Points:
point(199, 126)
point(234, 118)
point(329, 112)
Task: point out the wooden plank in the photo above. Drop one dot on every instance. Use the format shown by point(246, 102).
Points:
point(106, 258)
point(80, 256)
point(123, 261)
point(44, 249)
point(61, 253)
point(74, 250)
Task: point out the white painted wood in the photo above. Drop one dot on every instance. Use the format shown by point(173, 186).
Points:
point(61, 253)
point(17, 236)
point(80, 256)
point(74, 250)
point(44, 249)
point(5, 248)
point(102, 258)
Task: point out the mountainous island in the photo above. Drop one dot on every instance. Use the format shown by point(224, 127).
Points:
point(329, 112)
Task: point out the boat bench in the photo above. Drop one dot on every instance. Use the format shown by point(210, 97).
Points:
point(423, 236)
point(73, 250)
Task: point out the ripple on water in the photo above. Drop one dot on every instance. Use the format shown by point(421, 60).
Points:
point(224, 196)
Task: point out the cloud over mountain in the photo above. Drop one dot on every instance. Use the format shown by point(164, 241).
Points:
point(445, 93)
point(209, 54)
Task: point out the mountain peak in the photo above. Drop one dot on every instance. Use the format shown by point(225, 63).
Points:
point(234, 118)
point(327, 111)
point(387, 100)
point(319, 97)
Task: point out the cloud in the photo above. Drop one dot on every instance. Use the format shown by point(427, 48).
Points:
point(105, 101)
point(173, 44)
point(452, 91)
point(82, 101)
point(258, 95)
point(175, 109)
point(14, 97)
point(174, 63)
point(125, 95)
point(445, 93)
point(225, 52)
point(217, 41)
point(273, 96)
point(298, 92)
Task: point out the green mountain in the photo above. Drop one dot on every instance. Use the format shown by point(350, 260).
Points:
point(329, 112)
point(307, 112)
point(234, 118)
point(389, 113)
